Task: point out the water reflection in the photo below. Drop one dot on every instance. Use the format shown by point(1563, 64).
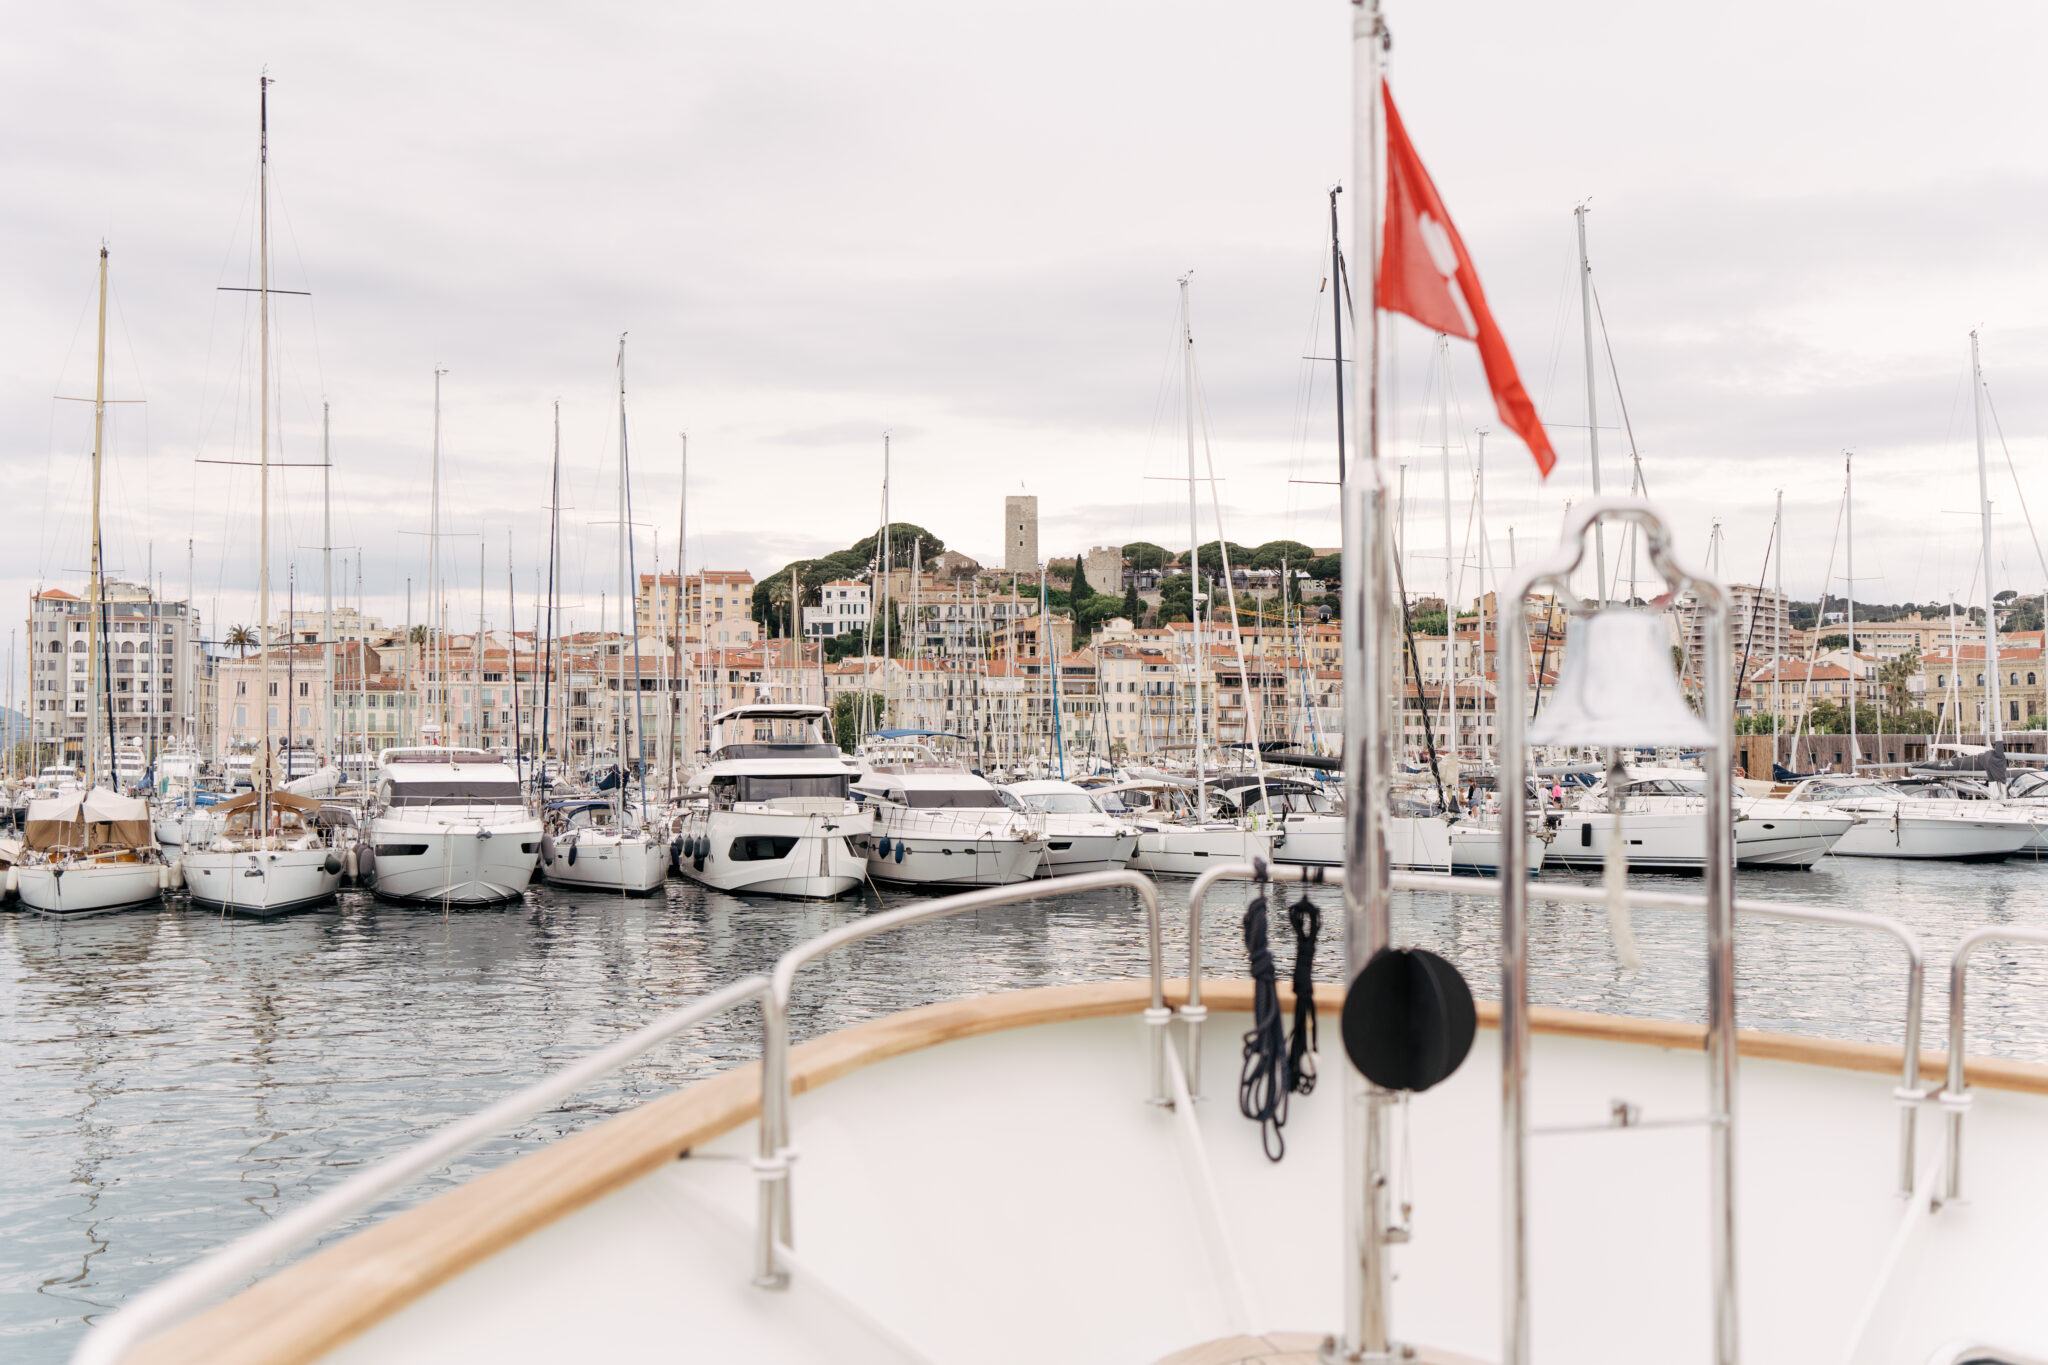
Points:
point(176, 1078)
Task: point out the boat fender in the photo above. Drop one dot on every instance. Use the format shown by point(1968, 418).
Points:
point(698, 861)
point(163, 877)
point(675, 851)
point(332, 863)
point(572, 853)
point(899, 850)
point(13, 880)
point(348, 864)
point(701, 849)
point(882, 848)
point(366, 862)
point(1408, 1019)
point(177, 873)
point(547, 849)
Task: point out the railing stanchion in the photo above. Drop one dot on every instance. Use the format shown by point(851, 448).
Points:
point(1955, 1096)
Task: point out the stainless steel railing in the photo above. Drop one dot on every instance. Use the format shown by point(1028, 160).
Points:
point(772, 1165)
point(1955, 1096)
point(185, 1293)
point(1909, 1093)
point(190, 1289)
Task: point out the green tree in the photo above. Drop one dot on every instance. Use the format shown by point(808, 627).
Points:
point(1834, 642)
point(1134, 606)
point(1274, 552)
point(1210, 557)
point(848, 708)
point(845, 645)
point(244, 639)
point(904, 540)
point(1426, 622)
point(1143, 554)
point(1082, 590)
point(1329, 570)
point(1176, 598)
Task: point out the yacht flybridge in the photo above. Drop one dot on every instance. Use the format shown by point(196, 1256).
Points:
point(774, 816)
point(451, 827)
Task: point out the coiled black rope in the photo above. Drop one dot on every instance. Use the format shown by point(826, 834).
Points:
point(1307, 922)
point(1261, 1088)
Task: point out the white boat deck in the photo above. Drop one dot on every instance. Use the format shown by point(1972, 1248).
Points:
point(1012, 1198)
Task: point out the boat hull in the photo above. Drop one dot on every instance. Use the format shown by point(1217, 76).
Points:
point(636, 865)
point(89, 888)
point(1068, 855)
point(1676, 842)
point(1191, 850)
point(952, 861)
point(1956, 841)
point(454, 864)
point(820, 857)
point(261, 883)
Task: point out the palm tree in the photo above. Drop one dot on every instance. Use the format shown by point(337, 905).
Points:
point(242, 638)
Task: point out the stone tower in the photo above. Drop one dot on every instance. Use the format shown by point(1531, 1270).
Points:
point(1020, 533)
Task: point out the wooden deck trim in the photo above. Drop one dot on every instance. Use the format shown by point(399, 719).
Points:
point(312, 1306)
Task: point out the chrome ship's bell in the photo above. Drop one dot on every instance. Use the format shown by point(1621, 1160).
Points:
point(1618, 689)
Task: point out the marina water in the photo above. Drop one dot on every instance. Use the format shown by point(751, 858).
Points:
point(174, 1078)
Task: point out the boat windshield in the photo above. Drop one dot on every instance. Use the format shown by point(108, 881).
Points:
point(455, 794)
point(1059, 803)
point(944, 798)
point(1291, 803)
point(1663, 786)
point(827, 785)
point(1850, 790)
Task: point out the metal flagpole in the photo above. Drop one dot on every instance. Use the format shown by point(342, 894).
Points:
point(1367, 619)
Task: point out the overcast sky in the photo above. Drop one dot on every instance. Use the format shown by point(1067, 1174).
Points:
point(964, 224)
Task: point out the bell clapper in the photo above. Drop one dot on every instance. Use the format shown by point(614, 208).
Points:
point(1614, 869)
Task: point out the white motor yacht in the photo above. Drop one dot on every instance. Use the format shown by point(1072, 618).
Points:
point(1173, 839)
point(177, 763)
point(1080, 836)
point(1660, 818)
point(595, 845)
point(269, 858)
point(1892, 824)
point(937, 824)
point(87, 853)
point(131, 764)
point(776, 816)
point(451, 827)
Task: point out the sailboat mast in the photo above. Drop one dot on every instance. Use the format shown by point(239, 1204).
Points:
point(96, 656)
point(1994, 725)
point(266, 778)
point(683, 617)
point(328, 721)
point(1187, 383)
point(1780, 618)
point(1849, 594)
point(1336, 329)
point(554, 553)
point(1479, 674)
point(682, 702)
point(1592, 407)
point(627, 614)
point(434, 572)
point(1450, 688)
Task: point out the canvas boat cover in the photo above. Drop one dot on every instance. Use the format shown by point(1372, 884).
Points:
point(95, 819)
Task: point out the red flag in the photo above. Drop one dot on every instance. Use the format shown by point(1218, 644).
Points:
point(1425, 273)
